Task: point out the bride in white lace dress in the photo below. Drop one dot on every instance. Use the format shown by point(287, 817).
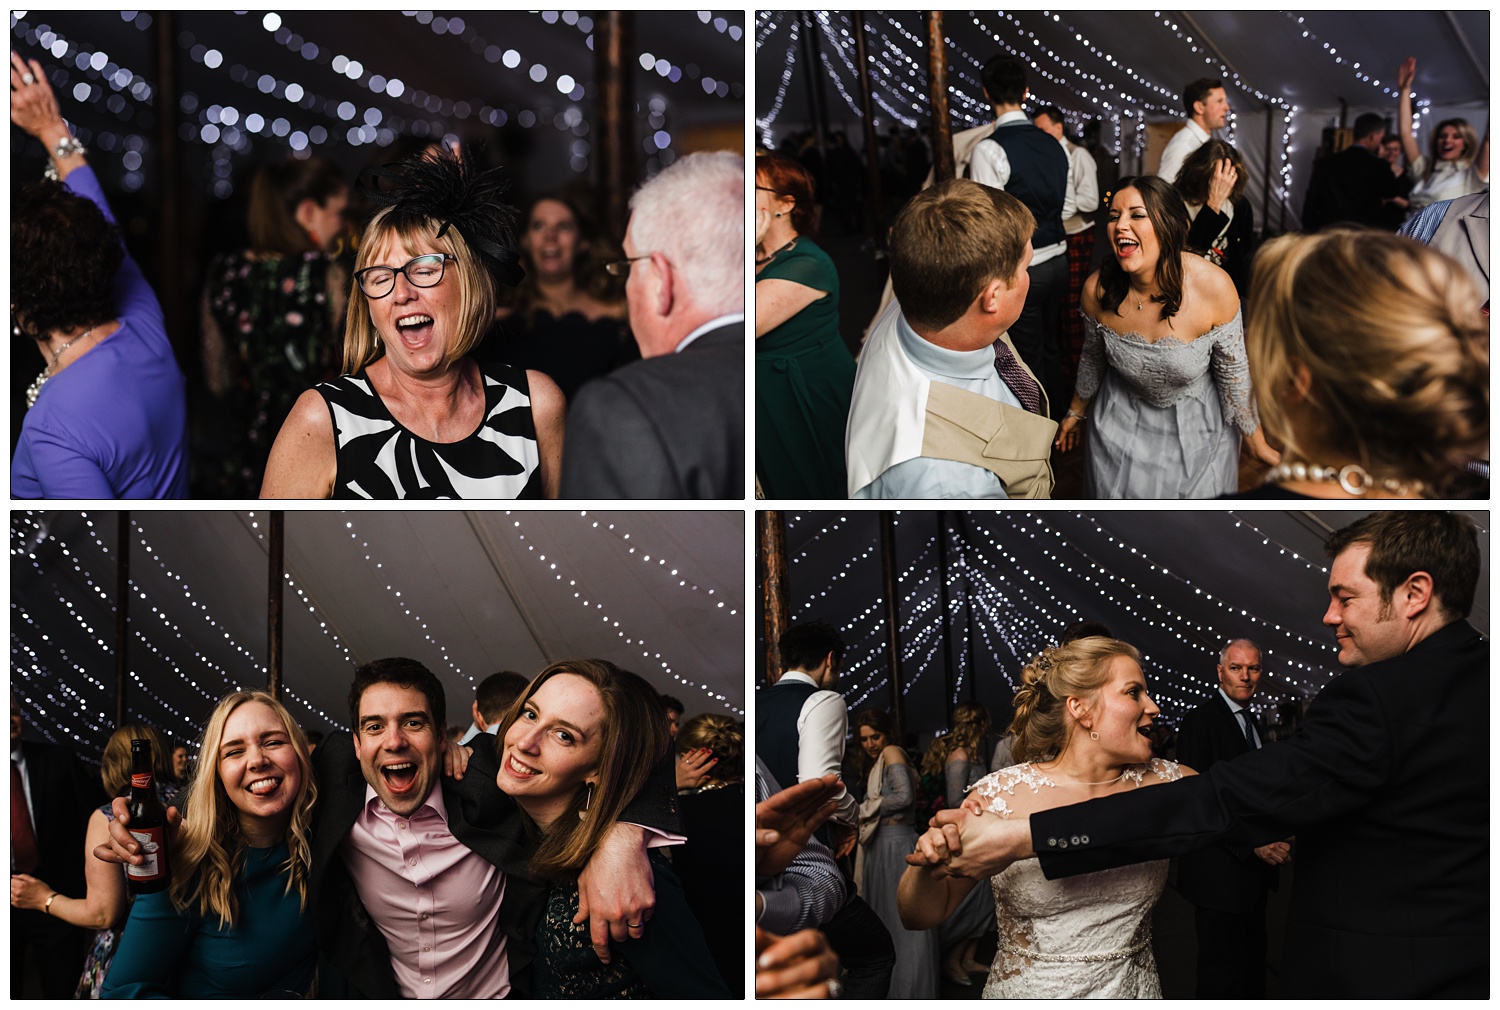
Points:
point(1081, 717)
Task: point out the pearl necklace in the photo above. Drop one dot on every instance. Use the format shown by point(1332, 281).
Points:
point(35, 389)
point(1354, 479)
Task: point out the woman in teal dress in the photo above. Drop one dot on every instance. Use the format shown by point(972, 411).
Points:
point(231, 924)
point(574, 750)
point(804, 375)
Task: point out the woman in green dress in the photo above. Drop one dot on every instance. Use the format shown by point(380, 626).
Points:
point(804, 375)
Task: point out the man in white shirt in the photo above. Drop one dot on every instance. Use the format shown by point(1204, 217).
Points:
point(1207, 108)
point(1083, 197)
point(1026, 163)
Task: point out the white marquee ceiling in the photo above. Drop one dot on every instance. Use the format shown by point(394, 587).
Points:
point(465, 593)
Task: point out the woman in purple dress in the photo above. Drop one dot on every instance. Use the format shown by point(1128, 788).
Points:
point(108, 414)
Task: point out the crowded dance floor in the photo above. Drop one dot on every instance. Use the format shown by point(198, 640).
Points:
point(458, 727)
point(1124, 255)
point(1210, 728)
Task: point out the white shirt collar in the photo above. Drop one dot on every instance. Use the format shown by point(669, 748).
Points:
point(712, 324)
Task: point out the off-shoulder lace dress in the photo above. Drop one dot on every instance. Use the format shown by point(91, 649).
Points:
point(1164, 413)
point(1084, 936)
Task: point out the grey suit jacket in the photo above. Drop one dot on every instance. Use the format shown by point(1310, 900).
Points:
point(672, 426)
point(1464, 235)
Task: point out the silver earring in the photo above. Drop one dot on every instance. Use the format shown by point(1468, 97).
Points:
point(587, 799)
point(1093, 735)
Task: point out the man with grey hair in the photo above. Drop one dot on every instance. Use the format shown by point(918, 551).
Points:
point(673, 424)
point(1227, 884)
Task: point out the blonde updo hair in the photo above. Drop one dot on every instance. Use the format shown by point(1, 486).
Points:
point(971, 722)
point(1396, 345)
point(721, 734)
point(1076, 670)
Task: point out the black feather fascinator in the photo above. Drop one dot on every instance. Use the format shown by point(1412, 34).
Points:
point(456, 193)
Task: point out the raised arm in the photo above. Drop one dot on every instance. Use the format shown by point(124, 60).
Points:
point(1404, 78)
point(33, 107)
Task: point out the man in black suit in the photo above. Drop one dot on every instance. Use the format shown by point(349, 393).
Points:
point(1386, 787)
point(673, 424)
point(1227, 884)
point(49, 816)
point(1354, 185)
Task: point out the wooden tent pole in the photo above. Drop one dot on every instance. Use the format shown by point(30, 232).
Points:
point(275, 567)
point(170, 276)
point(892, 617)
point(872, 143)
point(937, 92)
point(770, 530)
point(122, 615)
point(613, 38)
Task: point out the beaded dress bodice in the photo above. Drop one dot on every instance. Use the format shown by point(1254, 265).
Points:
point(1083, 936)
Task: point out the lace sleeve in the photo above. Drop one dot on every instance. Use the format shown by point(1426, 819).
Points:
point(1231, 376)
point(896, 792)
point(1092, 364)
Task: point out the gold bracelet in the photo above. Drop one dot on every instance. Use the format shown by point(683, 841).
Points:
point(47, 908)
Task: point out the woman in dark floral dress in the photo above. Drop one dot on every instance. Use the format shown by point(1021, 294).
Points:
point(273, 315)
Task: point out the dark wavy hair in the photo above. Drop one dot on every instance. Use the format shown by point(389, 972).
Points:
point(1197, 172)
point(278, 190)
point(64, 254)
point(593, 251)
point(1168, 215)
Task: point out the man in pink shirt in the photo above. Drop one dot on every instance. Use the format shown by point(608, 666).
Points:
point(420, 879)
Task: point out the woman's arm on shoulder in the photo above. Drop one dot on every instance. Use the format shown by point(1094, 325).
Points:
point(549, 408)
point(304, 458)
point(777, 300)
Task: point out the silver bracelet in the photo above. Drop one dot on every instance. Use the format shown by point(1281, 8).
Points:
point(1074, 413)
point(67, 147)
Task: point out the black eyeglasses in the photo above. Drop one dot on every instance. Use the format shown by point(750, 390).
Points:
point(620, 268)
point(422, 271)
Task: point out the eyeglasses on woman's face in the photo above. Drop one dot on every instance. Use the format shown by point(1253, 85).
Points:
point(421, 271)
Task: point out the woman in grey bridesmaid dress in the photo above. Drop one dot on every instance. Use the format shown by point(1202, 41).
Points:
point(1163, 366)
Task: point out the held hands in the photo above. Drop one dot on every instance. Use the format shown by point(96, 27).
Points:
point(961, 843)
point(693, 767)
point(785, 822)
point(122, 846)
point(799, 966)
point(616, 890)
point(1276, 853)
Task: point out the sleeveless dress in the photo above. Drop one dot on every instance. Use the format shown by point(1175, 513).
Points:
point(804, 380)
point(1162, 424)
point(378, 458)
point(1087, 936)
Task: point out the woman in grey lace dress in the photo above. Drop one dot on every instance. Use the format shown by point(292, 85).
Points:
point(957, 759)
point(887, 833)
point(1081, 721)
point(1163, 361)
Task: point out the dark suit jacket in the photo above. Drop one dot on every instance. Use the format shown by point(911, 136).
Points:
point(1348, 187)
point(1387, 790)
point(671, 426)
point(63, 795)
point(1228, 878)
point(482, 818)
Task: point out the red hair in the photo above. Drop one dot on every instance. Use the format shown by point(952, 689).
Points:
point(788, 178)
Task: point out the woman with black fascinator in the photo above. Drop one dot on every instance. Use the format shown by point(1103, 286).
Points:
point(415, 416)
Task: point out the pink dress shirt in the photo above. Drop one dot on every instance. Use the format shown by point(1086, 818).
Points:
point(436, 901)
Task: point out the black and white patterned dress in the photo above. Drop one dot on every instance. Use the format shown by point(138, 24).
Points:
point(378, 458)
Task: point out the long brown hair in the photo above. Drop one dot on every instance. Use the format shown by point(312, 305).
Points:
point(1169, 220)
point(971, 721)
point(634, 737)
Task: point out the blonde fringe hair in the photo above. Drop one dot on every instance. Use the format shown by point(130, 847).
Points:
point(211, 849)
point(476, 305)
point(1076, 670)
point(971, 722)
point(721, 734)
point(1395, 343)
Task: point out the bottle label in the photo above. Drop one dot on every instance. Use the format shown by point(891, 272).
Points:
point(153, 845)
point(140, 781)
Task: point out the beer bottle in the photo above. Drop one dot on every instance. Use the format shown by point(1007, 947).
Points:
point(148, 824)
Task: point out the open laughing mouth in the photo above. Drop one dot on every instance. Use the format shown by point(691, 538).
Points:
point(264, 787)
point(400, 776)
point(1126, 246)
point(415, 329)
